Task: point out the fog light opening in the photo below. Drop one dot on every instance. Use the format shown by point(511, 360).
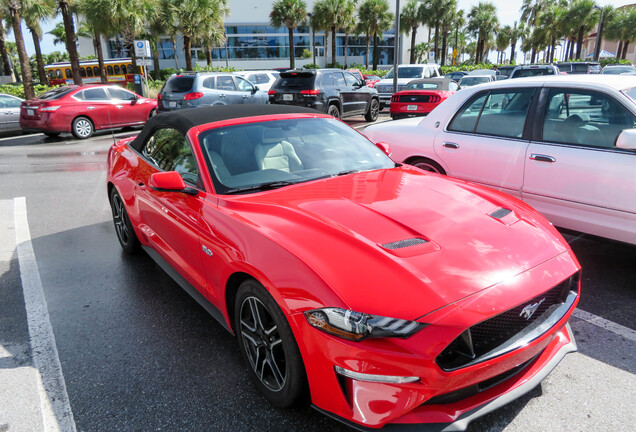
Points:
point(391, 379)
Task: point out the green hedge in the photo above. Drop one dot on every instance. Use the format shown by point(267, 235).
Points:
point(18, 89)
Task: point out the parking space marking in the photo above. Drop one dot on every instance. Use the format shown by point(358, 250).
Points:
point(608, 325)
point(54, 402)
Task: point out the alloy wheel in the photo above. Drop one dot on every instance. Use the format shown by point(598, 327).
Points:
point(83, 128)
point(119, 217)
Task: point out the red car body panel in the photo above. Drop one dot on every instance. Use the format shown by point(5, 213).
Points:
point(104, 114)
point(317, 244)
point(401, 106)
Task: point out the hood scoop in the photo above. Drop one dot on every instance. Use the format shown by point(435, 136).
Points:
point(410, 247)
point(504, 215)
point(500, 213)
point(404, 243)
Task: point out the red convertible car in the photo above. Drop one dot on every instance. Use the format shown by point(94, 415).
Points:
point(384, 294)
point(421, 96)
point(82, 110)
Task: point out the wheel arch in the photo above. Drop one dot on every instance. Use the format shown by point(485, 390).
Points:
point(412, 159)
point(87, 117)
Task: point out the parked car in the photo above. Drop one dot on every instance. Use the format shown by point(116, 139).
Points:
point(406, 74)
point(566, 146)
point(379, 292)
point(456, 76)
point(504, 71)
point(10, 113)
point(333, 91)
point(473, 80)
point(263, 79)
point(578, 68)
point(533, 70)
point(482, 72)
point(618, 69)
point(195, 89)
point(420, 97)
point(82, 110)
point(371, 80)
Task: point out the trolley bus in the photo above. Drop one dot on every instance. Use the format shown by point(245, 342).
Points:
point(118, 71)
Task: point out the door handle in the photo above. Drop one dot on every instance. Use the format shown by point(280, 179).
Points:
point(451, 145)
point(542, 158)
point(119, 106)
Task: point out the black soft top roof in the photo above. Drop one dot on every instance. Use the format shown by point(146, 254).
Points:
point(186, 119)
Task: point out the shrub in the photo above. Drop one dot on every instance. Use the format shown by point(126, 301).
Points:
point(18, 89)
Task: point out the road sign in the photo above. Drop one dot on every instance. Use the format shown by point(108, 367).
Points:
point(142, 48)
point(455, 53)
point(431, 56)
point(144, 62)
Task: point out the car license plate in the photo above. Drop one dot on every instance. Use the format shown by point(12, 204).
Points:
point(172, 104)
point(30, 112)
point(411, 107)
point(288, 97)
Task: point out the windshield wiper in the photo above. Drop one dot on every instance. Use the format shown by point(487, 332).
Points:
point(262, 186)
point(345, 172)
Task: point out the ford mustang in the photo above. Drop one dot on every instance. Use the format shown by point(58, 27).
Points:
point(383, 294)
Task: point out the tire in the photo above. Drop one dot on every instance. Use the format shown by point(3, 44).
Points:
point(52, 134)
point(427, 165)
point(152, 113)
point(268, 346)
point(374, 111)
point(333, 111)
point(125, 232)
point(82, 128)
point(395, 117)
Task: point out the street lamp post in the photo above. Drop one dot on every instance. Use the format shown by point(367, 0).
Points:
point(395, 45)
point(313, 37)
point(597, 46)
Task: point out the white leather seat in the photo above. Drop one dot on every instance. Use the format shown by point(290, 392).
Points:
point(276, 153)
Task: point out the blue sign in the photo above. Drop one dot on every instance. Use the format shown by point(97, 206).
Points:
point(140, 44)
point(137, 79)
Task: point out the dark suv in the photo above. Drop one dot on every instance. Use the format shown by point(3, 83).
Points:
point(333, 91)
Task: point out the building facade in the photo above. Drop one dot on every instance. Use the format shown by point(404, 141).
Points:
point(589, 44)
point(253, 43)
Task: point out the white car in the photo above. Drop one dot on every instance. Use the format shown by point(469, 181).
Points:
point(406, 74)
point(263, 78)
point(473, 80)
point(566, 145)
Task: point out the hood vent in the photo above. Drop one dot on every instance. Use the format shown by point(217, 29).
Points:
point(500, 213)
point(400, 244)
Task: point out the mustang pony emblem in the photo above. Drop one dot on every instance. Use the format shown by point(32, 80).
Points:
point(529, 310)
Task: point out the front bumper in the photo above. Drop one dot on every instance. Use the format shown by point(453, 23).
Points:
point(439, 399)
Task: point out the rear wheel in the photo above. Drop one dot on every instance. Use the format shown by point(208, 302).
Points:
point(333, 111)
point(82, 128)
point(427, 165)
point(268, 346)
point(125, 232)
point(374, 111)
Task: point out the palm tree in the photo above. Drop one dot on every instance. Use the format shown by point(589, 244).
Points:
point(517, 32)
point(582, 16)
point(3, 49)
point(289, 13)
point(438, 10)
point(331, 11)
point(69, 30)
point(482, 21)
point(348, 23)
point(502, 42)
point(410, 20)
point(446, 24)
point(530, 10)
point(550, 28)
point(374, 17)
point(623, 29)
point(608, 15)
point(33, 13)
point(212, 35)
point(14, 10)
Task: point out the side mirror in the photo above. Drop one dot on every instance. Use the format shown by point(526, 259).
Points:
point(386, 149)
point(255, 89)
point(626, 139)
point(169, 181)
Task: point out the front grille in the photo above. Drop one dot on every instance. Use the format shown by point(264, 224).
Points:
point(481, 340)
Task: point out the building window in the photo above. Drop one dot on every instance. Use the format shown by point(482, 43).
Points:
point(165, 49)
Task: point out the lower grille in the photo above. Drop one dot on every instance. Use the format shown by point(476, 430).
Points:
point(498, 334)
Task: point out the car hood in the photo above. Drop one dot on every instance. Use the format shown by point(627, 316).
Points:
point(358, 233)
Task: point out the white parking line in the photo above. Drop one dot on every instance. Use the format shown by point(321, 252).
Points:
point(55, 407)
point(608, 325)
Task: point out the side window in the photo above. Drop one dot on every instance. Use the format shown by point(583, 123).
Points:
point(68, 73)
point(116, 70)
point(58, 73)
point(96, 71)
point(89, 71)
point(109, 70)
point(244, 85)
point(95, 94)
point(225, 82)
point(260, 79)
point(169, 150)
point(339, 79)
point(351, 80)
point(427, 73)
point(501, 113)
point(327, 80)
point(83, 72)
point(581, 117)
point(9, 102)
point(131, 69)
point(209, 83)
point(121, 94)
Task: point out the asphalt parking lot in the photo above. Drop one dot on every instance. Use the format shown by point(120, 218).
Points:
point(136, 353)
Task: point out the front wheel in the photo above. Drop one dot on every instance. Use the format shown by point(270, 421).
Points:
point(374, 111)
point(333, 111)
point(268, 346)
point(82, 128)
point(125, 232)
point(427, 165)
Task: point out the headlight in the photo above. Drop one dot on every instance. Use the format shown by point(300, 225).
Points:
point(356, 326)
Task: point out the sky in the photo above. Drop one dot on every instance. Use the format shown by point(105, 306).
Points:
point(507, 12)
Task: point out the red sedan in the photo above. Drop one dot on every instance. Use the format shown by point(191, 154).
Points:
point(421, 96)
point(384, 294)
point(83, 110)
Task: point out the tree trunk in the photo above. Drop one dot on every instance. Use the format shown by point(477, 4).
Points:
point(346, 48)
point(333, 46)
point(69, 30)
point(533, 55)
point(174, 51)
point(625, 45)
point(412, 57)
point(208, 56)
point(513, 46)
point(366, 56)
point(3, 48)
point(553, 53)
point(375, 51)
point(16, 23)
point(579, 43)
point(597, 48)
point(619, 49)
point(97, 45)
point(187, 46)
point(38, 57)
point(292, 54)
point(436, 39)
point(444, 37)
point(155, 63)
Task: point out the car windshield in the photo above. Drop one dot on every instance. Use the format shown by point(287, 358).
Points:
point(56, 93)
point(259, 156)
point(407, 72)
point(615, 70)
point(631, 93)
point(423, 86)
point(471, 81)
point(521, 73)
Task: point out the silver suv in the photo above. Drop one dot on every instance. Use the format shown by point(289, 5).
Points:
point(406, 74)
point(194, 89)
